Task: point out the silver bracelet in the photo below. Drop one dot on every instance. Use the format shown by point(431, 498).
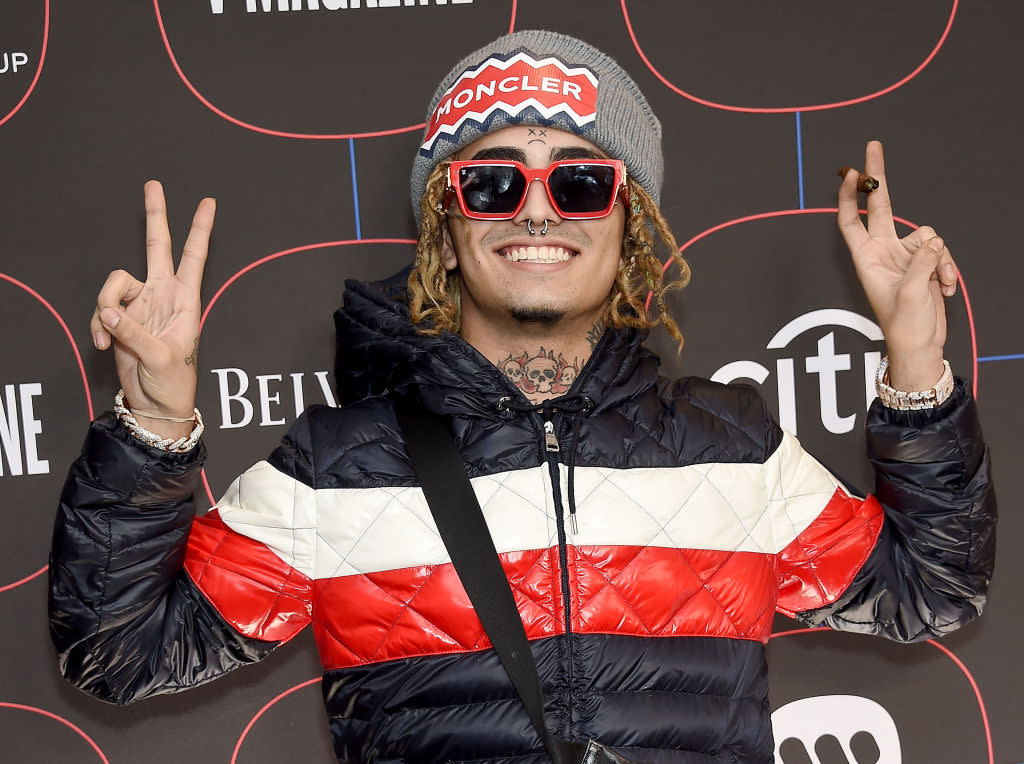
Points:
point(915, 401)
point(181, 445)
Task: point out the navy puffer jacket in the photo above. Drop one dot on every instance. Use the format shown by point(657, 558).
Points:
point(647, 554)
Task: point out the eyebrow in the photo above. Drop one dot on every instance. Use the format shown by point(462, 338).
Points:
point(512, 154)
point(503, 153)
point(574, 152)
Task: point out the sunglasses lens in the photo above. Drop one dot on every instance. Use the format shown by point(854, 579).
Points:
point(492, 189)
point(582, 188)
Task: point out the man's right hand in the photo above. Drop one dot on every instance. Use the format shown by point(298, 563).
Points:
point(155, 325)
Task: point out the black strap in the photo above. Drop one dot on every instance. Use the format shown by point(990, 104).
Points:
point(460, 521)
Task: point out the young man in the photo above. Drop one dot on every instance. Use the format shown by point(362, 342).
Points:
point(649, 527)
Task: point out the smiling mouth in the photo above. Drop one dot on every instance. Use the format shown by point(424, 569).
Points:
point(537, 254)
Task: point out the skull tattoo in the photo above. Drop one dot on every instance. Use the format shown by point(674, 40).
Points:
point(513, 369)
point(568, 376)
point(542, 372)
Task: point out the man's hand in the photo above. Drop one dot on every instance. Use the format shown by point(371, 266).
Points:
point(155, 325)
point(905, 279)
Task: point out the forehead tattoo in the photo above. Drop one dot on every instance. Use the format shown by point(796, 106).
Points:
point(537, 134)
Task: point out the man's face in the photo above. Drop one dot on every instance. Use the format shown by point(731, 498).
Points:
point(500, 282)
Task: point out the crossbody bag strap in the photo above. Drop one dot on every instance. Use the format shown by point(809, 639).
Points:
point(460, 521)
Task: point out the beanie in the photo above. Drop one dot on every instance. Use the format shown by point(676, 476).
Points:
point(536, 77)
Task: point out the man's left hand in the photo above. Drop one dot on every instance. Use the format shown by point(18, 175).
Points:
point(905, 279)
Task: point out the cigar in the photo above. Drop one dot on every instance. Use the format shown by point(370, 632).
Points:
point(865, 183)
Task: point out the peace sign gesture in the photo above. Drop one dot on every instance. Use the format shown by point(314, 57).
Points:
point(155, 324)
point(905, 280)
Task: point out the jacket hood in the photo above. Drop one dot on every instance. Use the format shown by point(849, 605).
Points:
point(379, 351)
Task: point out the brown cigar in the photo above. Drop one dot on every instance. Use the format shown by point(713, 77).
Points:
point(865, 183)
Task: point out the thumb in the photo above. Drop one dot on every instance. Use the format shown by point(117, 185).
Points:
point(925, 259)
point(922, 266)
point(132, 335)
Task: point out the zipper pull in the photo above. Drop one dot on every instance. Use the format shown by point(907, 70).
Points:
point(550, 439)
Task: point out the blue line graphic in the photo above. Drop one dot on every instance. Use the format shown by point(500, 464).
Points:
point(799, 159)
point(355, 185)
point(1015, 357)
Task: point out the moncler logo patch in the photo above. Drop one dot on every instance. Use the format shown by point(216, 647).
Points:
point(511, 86)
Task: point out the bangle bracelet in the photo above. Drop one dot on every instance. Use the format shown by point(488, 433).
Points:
point(181, 445)
point(149, 415)
point(915, 401)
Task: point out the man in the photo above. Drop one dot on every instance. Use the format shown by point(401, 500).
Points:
point(649, 527)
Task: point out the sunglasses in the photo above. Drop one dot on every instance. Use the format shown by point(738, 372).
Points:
point(579, 189)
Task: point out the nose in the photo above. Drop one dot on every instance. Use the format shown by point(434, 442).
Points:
point(537, 207)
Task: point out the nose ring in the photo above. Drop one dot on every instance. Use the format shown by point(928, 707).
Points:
point(543, 231)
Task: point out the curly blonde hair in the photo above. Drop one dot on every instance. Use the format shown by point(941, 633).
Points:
point(434, 294)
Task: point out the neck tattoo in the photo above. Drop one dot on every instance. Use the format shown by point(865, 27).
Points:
point(595, 333)
point(541, 374)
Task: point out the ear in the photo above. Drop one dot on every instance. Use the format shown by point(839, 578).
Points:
point(449, 259)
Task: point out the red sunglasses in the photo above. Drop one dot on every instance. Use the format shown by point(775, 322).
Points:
point(579, 189)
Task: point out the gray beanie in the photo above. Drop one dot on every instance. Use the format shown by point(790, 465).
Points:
point(535, 77)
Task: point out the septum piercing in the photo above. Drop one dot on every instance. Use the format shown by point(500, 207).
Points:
point(543, 231)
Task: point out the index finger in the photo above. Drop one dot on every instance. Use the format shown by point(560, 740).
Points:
point(850, 225)
point(159, 260)
point(879, 206)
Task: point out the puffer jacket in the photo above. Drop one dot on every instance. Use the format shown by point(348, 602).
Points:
point(647, 554)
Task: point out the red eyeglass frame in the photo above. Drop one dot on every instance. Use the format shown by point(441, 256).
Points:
point(454, 190)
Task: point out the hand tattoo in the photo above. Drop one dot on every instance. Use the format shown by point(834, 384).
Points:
point(192, 359)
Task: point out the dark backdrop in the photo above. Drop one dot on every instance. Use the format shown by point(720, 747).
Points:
point(303, 123)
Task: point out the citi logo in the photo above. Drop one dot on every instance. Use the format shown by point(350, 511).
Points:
point(827, 364)
point(266, 6)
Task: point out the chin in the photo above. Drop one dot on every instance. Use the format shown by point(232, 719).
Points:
point(536, 314)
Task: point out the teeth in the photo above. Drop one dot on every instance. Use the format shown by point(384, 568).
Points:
point(537, 254)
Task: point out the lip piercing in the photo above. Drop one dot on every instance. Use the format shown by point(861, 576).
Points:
point(543, 231)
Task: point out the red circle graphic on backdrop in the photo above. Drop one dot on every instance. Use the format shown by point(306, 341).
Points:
point(785, 109)
point(833, 211)
point(248, 125)
point(50, 715)
point(262, 711)
point(942, 649)
point(39, 66)
point(81, 369)
point(248, 269)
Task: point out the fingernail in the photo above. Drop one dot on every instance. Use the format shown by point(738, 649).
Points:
point(97, 340)
point(949, 272)
point(109, 317)
point(935, 244)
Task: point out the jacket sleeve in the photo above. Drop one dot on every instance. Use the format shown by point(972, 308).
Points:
point(127, 616)
point(927, 571)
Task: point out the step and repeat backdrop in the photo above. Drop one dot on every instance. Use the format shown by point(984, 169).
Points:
point(302, 117)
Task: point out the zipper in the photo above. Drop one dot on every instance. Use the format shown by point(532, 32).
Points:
point(551, 451)
point(551, 446)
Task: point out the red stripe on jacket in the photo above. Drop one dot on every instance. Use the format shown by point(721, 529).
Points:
point(641, 591)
